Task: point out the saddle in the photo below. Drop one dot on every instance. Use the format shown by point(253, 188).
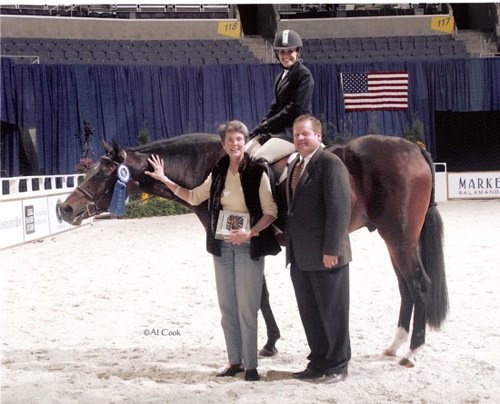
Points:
point(271, 153)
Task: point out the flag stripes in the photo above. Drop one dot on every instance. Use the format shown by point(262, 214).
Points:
point(374, 91)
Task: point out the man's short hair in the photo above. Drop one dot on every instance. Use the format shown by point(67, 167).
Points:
point(316, 123)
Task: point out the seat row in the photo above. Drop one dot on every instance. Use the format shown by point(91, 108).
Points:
point(383, 48)
point(379, 43)
point(90, 44)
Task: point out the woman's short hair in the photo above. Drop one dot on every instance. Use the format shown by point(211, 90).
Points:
point(232, 126)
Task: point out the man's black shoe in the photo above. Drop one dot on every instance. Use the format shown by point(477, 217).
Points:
point(308, 373)
point(230, 371)
point(335, 377)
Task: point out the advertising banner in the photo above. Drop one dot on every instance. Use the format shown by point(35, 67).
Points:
point(474, 185)
point(11, 223)
point(36, 218)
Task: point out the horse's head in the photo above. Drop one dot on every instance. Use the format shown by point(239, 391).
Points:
point(93, 195)
point(189, 159)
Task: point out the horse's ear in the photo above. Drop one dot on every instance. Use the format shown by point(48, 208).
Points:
point(107, 147)
point(113, 151)
point(118, 154)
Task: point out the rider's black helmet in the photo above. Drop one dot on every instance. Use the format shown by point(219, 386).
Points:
point(287, 39)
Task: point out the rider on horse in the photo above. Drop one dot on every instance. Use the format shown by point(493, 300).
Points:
point(293, 89)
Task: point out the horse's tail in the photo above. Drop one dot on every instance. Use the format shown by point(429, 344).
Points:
point(431, 254)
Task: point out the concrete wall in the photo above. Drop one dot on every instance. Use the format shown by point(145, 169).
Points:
point(105, 28)
point(362, 26)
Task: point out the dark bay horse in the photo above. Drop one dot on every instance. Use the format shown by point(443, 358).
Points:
point(392, 188)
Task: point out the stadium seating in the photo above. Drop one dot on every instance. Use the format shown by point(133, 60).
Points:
point(161, 52)
point(352, 50)
point(203, 52)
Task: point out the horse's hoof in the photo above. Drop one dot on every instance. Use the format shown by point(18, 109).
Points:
point(389, 352)
point(266, 351)
point(407, 363)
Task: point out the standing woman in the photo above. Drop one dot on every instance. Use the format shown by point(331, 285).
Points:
point(293, 91)
point(236, 184)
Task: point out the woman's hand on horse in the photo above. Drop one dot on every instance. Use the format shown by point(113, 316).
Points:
point(158, 168)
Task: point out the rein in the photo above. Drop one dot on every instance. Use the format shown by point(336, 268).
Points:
point(95, 205)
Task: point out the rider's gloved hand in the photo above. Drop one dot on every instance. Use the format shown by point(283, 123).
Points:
point(255, 132)
point(261, 129)
point(264, 127)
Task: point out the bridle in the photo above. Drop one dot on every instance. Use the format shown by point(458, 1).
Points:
point(92, 208)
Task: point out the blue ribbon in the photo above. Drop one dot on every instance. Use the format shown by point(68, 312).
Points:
point(117, 206)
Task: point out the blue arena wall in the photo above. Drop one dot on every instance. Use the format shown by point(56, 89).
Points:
point(168, 101)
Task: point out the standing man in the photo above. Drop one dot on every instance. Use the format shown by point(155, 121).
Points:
point(319, 251)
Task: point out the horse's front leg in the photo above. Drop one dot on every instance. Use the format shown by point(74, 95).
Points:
point(273, 332)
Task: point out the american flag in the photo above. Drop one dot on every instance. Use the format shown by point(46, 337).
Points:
point(375, 91)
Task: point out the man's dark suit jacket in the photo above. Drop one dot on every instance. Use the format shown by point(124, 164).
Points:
point(319, 213)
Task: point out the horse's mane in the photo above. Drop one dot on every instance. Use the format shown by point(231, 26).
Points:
point(178, 142)
point(188, 158)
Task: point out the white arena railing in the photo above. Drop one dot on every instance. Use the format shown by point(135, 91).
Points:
point(29, 207)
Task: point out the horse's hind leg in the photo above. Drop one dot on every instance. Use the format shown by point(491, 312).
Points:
point(419, 288)
point(405, 312)
point(273, 332)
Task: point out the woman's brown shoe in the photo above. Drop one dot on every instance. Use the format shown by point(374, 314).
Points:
point(232, 370)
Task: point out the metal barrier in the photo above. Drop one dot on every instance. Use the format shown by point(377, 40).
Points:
point(29, 207)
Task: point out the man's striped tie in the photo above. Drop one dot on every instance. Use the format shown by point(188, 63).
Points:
point(297, 171)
